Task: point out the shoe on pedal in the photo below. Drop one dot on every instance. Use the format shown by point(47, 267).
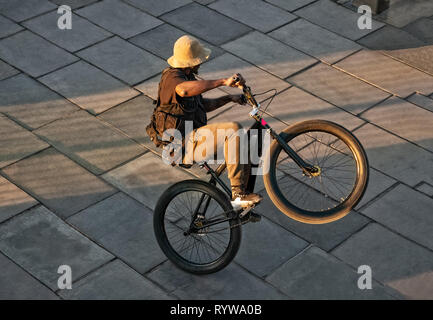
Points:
point(241, 198)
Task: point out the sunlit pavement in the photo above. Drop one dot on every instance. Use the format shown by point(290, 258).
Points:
point(80, 178)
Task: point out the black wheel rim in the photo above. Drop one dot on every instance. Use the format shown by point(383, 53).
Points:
point(202, 246)
point(322, 193)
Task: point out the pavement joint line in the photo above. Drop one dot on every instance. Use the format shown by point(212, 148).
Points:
point(74, 282)
point(394, 134)
point(301, 7)
point(309, 246)
point(318, 97)
point(359, 78)
point(28, 273)
point(93, 44)
point(92, 204)
point(353, 268)
point(115, 257)
point(124, 163)
point(349, 55)
point(262, 279)
point(115, 189)
point(338, 34)
point(54, 120)
point(359, 115)
point(385, 53)
point(38, 204)
point(25, 157)
point(389, 228)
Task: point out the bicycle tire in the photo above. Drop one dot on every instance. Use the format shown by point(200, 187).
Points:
point(222, 200)
point(271, 180)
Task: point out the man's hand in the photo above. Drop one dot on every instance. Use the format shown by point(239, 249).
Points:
point(235, 80)
point(237, 98)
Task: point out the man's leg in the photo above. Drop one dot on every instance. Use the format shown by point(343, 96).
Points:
point(228, 138)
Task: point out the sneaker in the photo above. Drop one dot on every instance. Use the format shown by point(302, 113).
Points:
point(244, 199)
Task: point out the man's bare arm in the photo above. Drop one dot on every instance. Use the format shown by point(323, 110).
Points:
point(213, 104)
point(196, 87)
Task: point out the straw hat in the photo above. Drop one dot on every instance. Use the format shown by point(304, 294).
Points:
point(188, 52)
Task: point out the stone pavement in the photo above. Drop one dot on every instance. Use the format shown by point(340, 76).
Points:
point(79, 177)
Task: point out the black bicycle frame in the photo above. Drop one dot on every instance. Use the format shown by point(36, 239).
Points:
point(259, 124)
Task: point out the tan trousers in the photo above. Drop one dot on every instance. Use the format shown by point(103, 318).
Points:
point(220, 142)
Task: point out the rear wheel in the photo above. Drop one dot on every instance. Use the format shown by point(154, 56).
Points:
point(180, 214)
point(331, 192)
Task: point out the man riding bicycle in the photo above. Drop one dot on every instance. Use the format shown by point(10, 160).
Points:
point(180, 99)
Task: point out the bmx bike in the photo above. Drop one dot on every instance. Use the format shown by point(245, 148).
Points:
point(317, 172)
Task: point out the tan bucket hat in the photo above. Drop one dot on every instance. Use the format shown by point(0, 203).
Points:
point(188, 52)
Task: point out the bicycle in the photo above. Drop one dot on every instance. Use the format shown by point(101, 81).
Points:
point(199, 230)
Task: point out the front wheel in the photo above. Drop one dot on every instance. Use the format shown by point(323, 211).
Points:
point(338, 183)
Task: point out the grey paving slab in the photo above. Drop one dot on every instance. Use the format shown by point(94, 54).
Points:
point(377, 183)
point(13, 200)
point(125, 228)
point(294, 105)
point(25, 9)
point(390, 38)
point(8, 27)
point(421, 29)
point(265, 246)
point(394, 261)
point(401, 13)
point(150, 87)
point(226, 65)
point(233, 282)
point(16, 284)
point(82, 34)
point(138, 179)
point(336, 18)
point(337, 87)
point(161, 39)
point(325, 236)
point(254, 13)
point(16, 142)
point(315, 274)
point(6, 70)
point(40, 242)
point(425, 188)
point(123, 60)
point(114, 281)
point(88, 87)
point(406, 211)
point(204, 2)
point(132, 117)
point(394, 156)
point(158, 7)
point(30, 103)
point(419, 57)
point(33, 54)
point(205, 23)
point(73, 3)
point(269, 54)
point(119, 18)
point(89, 142)
point(291, 5)
point(314, 40)
point(421, 101)
point(399, 78)
point(404, 119)
point(59, 183)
